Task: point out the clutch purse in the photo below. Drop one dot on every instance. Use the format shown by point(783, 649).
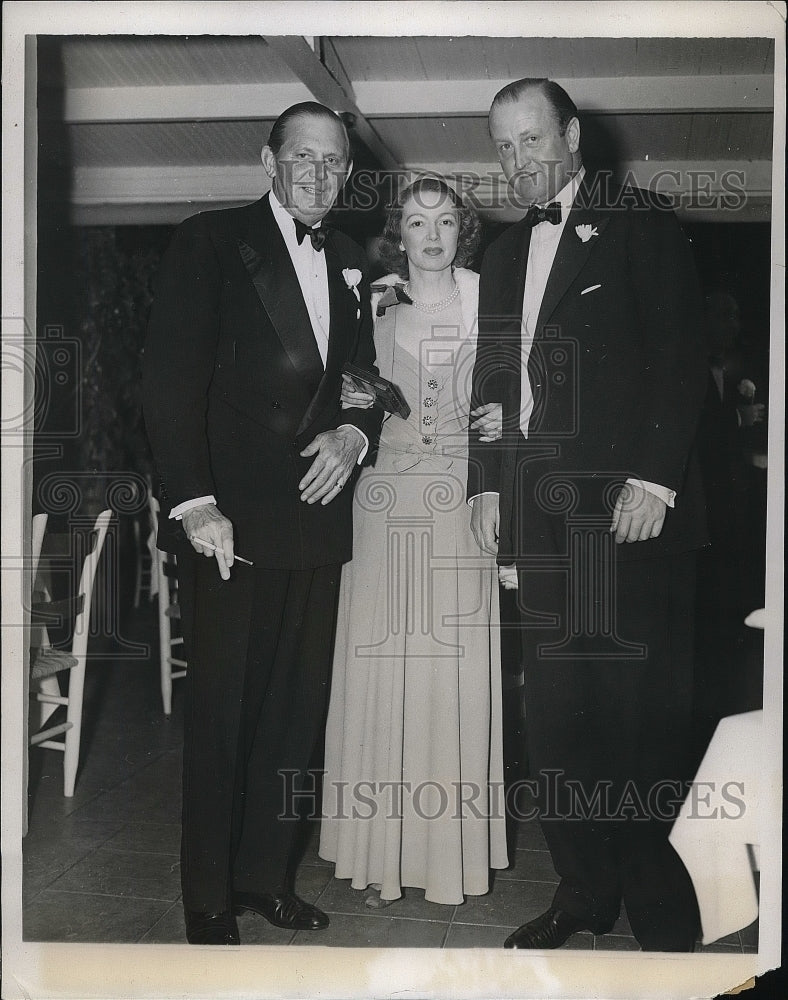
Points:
point(387, 395)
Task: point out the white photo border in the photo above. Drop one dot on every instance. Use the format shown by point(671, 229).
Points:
point(39, 970)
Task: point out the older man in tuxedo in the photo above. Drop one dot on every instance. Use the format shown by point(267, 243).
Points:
point(589, 330)
point(257, 310)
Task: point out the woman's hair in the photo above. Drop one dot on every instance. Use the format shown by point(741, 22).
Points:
point(469, 234)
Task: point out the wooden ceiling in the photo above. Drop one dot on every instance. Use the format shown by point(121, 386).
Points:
point(152, 128)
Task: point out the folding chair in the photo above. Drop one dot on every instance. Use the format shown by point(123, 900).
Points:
point(171, 667)
point(47, 662)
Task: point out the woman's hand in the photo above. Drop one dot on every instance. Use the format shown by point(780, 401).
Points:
point(352, 397)
point(507, 577)
point(751, 414)
point(489, 420)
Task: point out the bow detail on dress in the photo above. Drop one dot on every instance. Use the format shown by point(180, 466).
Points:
point(392, 294)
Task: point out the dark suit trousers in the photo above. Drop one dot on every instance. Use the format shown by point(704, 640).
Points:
point(608, 690)
point(259, 650)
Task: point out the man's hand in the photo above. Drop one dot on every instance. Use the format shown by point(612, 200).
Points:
point(209, 524)
point(489, 421)
point(484, 522)
point(638, 514)
point(336, 456)
point(751, 414)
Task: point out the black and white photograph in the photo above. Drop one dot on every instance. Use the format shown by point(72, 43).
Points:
point(393, 496)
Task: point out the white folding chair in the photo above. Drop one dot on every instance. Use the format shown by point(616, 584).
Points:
point(171, 667)
point(145, 578)
point(39, 530)
point(47, 662)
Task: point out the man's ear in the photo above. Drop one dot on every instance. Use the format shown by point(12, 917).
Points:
point(269, 160)
point(573, 135)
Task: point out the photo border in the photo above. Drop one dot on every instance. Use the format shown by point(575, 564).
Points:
point(38, 970)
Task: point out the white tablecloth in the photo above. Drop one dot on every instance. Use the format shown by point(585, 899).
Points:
point(717, 822)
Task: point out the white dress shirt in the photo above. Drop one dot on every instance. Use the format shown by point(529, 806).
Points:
point(310, 268)
point(545, 237)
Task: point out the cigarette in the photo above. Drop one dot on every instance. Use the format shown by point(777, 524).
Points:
point(210, 545)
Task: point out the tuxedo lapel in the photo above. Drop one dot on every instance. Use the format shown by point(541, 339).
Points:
point(343, 306)
point(509, 293)
point(268, 264)
point(502, 287)
point(342, 310)
point(572, 254)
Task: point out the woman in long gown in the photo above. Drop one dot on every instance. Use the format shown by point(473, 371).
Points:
point(413, 789)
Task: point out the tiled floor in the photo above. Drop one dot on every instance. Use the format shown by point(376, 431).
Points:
point(104, 866)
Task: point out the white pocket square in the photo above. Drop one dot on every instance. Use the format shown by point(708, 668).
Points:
point(591, 288)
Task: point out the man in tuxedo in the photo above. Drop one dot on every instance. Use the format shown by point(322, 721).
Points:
point(257, 310)
point(589, 331)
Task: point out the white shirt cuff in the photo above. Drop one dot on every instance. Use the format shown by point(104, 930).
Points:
point(487, 493)
point(664, 494)
point(180, 510)
point(365, 449)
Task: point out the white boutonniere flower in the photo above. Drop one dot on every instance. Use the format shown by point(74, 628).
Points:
point(746, 389)
point(352, 276)
point(586, 232)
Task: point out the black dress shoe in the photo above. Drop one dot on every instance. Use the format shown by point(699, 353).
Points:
point(282, 909)
point(211, 928)
point(550, 930)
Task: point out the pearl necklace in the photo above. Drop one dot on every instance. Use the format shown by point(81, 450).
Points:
point(433, 307)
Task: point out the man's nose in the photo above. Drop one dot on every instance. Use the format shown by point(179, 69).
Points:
point(521, 157)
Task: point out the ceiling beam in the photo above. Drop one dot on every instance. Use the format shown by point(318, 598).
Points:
point(222, 181)
point(603, 95)
point(408, 98)
point(228, 102)
point(306, 65)
point(136, 185)
point(334, 66)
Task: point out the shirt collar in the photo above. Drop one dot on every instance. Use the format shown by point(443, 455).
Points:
point(566, 195)
point(283, 218)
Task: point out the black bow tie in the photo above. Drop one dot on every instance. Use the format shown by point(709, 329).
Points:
point(317, 236)
point(550, 213)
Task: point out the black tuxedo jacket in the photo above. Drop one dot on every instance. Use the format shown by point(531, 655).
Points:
point(617, 369)
point(234, 388)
